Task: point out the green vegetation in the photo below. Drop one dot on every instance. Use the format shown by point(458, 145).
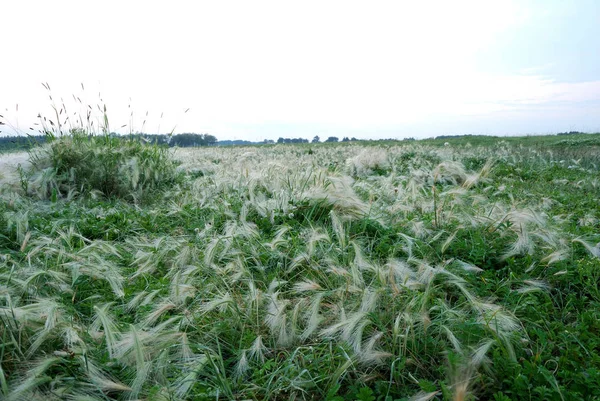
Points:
point(449, 269)
point(13, 143)
point(107, 165)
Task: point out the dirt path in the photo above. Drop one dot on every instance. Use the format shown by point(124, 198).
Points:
point(8, 166)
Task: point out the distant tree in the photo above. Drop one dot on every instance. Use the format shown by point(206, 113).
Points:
point(191, 139)
point(353, 139)
point(346, 139)
point(332, 139)
point(21, 142)
point(210, 139)
point(280, 140)
point(316, 139)
point(570, 133)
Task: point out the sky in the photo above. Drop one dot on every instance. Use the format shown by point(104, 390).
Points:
point(258, 70)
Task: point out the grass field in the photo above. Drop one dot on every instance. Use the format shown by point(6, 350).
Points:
point(425, 270)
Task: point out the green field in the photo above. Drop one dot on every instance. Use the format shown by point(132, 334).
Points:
point(457, 269)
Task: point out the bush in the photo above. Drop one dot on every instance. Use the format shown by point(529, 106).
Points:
point(113, 166)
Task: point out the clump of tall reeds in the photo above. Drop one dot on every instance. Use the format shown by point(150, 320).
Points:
point(107, 164)
point(81, 158)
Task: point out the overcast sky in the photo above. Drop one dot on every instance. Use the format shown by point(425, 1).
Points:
point(260, 70)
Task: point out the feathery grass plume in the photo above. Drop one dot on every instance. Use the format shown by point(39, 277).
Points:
point(338, 271)
point(241, 229)
point(99, 269)
point(22, 387)
point(136, 300)
point(337, 192)
point(369, 355)
point(360, 260)
point(403, 275)
point(523, 244)
point(462, 373)
point(467, 267)
point(416, 186)
point(184, 383)
point(159, 310)
point(276, 318)
point(162, 364)
point(350, 328)
point(423, 396)
point(591, 248)
point(499, 321)
point(474, 179)
point(210, 252)
point(301, 259)
point(409, 244)
point(306, 285)
point(425, 272)
point(111, 332)
point(101, 379)
point(313, 237)
point(253, 296)
point(52, 278)
point(221, 302)
point(72, 339)
point(419, 229)
point(369, 159)
point(19, 221)
point(313, 316)
point(451, 172)
point(258, 350)
point(182, 288)
point(94, 247)
point(3, 384)
point(142, 364)
point(357, 277)
point(150, 254)
point(242, 365)
point(235, 270)
point(556, 256)
point(280, 239)
point(452, 338)
point(533, 286)
point(449, 240)
point(44, 320)
point(338, 229)
point(149, 297)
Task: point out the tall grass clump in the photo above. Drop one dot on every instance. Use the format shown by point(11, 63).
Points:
point(82, 163)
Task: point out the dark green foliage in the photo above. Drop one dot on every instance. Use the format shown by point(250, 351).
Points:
point(21, 142)
point(112, 166)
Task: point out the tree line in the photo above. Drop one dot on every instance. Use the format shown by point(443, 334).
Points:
point(316, 139)
point(20, 142)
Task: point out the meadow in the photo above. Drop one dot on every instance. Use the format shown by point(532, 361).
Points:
point(452, 269)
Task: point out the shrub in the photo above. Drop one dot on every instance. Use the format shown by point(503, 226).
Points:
point(113, 166)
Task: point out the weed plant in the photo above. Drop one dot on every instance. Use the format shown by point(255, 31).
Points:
point(106, 165)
